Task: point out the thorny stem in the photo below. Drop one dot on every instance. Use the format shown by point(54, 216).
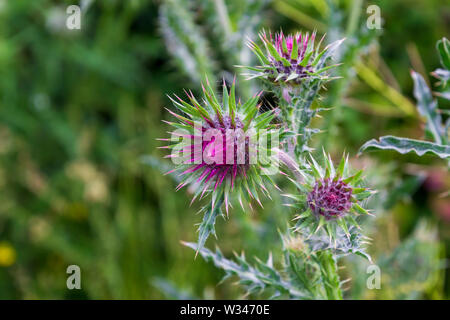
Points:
point(329, 273)
point(304, 119)
point(296, 109)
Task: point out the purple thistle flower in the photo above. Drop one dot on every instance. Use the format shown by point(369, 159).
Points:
point(214, 164)
point(219, 148)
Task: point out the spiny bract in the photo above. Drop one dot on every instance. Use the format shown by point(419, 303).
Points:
point(220, 149)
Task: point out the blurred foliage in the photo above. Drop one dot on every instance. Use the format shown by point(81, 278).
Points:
point(80, 108)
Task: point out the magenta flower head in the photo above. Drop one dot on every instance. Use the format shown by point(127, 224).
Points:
point(330, 198)
point(330, 201)
point(291, 59)
point(223, 146)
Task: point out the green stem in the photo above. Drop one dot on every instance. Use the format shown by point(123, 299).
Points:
point(330, 277)
point(297, 114)
point(303, 115)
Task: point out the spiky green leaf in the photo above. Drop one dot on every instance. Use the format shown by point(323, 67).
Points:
point(405, 145)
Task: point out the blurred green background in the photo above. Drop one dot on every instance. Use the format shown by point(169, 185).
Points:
point(79, 109)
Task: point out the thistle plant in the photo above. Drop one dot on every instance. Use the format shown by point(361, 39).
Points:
point(327, 201)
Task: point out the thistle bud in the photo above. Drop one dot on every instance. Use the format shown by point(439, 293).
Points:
point(329, 201)
point(290, 59)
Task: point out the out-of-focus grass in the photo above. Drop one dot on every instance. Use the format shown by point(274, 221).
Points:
point(78, 110)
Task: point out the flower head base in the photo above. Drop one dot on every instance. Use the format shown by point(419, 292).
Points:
point(221, 147)
point(291, 59)
point(330, 198)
